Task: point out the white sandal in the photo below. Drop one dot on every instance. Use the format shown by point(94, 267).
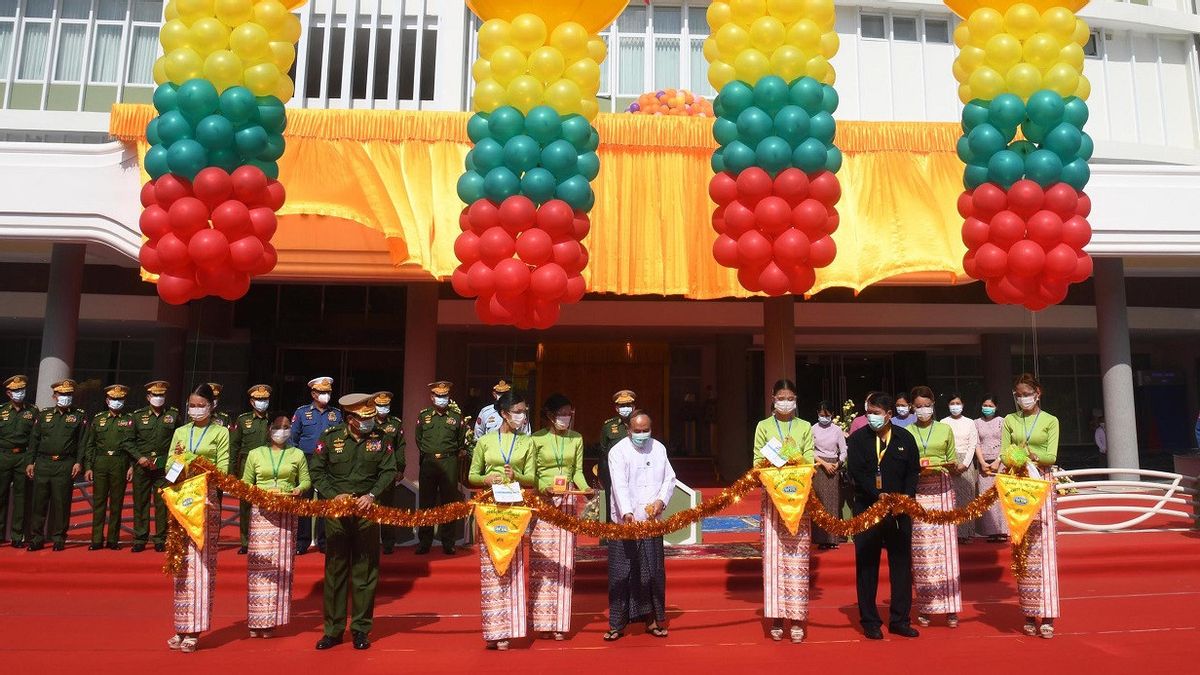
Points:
point(777, 633)
point(174, 642)
point(797, 635)
point(1047, 630)
point(188, 645)
point(1030, 629)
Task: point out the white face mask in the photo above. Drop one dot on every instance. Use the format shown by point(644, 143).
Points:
point(625, 410)
point(640, 438)
point(260, 405)
point(1027, 402)
point(63, 401)
point(562, 423)
point(824, 421)
point(901, 410)
point(280, 436)
point(516, 420)
point(785, 407)
point(115, 404)
point(18, 395)
point(198, 412)
point(158, 401)
point(323, 399)
point(382, 410)
point(956, 409)
point(925, 413)
point(441, 401)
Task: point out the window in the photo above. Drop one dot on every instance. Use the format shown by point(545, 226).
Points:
point(904, 28)
point(872, 26)
point(937, 30)
point(328, 64)
point(1092, 48)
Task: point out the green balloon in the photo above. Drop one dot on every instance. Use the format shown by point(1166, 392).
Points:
point(822, 127)
point(186, 158)
point(172, 127)
point(1043, 167)
point(575, 191)
point(487, 155)
point(1005, 168)
point(238, 106)
point(561, 159)
point(1045, 108)
point(771, 94)
point(974, 114)
point(1033, 131)
point(811, 156)
point(470, 187)
point(593, 141)
point(1075, 112)
point(775, 154)
point(521, 153)
point(214, 133)
point(734, 98)
point(156, 161)
point(1064, 140)
point(1086, 146)
point(974, 176)
point(577, 131)
point(1076, 174)
point(226, 159)
point(738, 157)
point(829, 99)
point(963, 150)
point(792, 124)
point(808, 94)
point(833, 160)
point(539, 185)
point(1006, 113)
point(272, 115)
point(543, 125)
point(274, 149)
point(251, 141)
point(166, 98)
point(589, 165)
point(477, 128)
point(754, 124)
point(505, 122)
point(270, 169)
point(152, 132)
point(197, 99)
point(717, 161)
point(725, 131)
point(1022, 148)
point(500, 184)
point(985, 140)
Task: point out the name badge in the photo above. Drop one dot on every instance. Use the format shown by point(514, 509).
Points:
point(507, 493)
point(878, 479)
point(772, 451)
point(560, 484)
point(174, 471)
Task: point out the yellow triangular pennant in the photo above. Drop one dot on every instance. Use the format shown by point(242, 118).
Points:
point(186, 502)
point(789, 487)
point(502, 528)
point(1020, 499)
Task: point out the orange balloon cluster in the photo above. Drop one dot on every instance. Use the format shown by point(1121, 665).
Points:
point(680, 102)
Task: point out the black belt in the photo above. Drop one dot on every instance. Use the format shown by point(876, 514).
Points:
point(441, 455)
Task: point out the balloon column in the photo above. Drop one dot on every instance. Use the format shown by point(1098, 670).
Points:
point(1020, 69)
point(678, 102)
point(210, 204)
point(775, 188)
point(527, 184)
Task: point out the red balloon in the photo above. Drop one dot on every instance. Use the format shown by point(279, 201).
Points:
point(723, 188)
point(567, 253)
point(822, 252)
point(825, 188)
point(966, 205)
point(753, 250)
point(148, 258)
point(1025, 198)
point(209, 248)
point(548, 282)
point(249, 184)
point(169, 188)
point(509, 308)
point(810, 215)
point(482, 278)
point(275, 197)
point(1062, 199)
point(718, 220)
point(1083, 207)
point(968, 264)
point(1027, 286)
point(832, 222)
point(483, 309)
point(1008, 293)
point(517, 214)
point(773, 215)
point(464, 221)
point(482, 216)
point(992, 286)
point(1005, 229)
point(802, 278)
point(581, 225)
point(535, 246)
point(235, 287)
point(1026, 258)
point(212, 280)
point(792, 184)
point(1076, 232)
point(580, 262)
point(753, 184)
point(1053, 291)
point(155, 221)
point(1083, 269)
point(263, 223)
point(512, 276)
point(212, 186)
point(725, 251)
point(188, 216)
point(974, 233)
point(147, 196)
point(466, 247)
point(1034, 304)
point(738, 219)
point(545, 314)
point(268, 261)
point(1045, 228)
point(991, 261)
point(245, 253)
point(173, 254)
point(461, 283)
point(988, 199)
point(232, 218)
point(495, 245)
point(748, 277)
point(576, 287)
point(773, 280)
point(556, 217)
point(791, 248)
point(175, 290)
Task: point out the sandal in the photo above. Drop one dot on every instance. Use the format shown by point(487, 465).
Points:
point(923, 620)
point(174, 642)
point(559, 637)
point(777, 633)
point(797, 635)
point(613, 636)
point(188, 645)
point(1030, 629)
point(952, 621)
point(657, 631)
point(1047, 630)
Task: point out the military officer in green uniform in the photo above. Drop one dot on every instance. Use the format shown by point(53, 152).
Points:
point(153, 427)
point(615, 429)
point(393, 431)
point(221, 417)
point(441, 439)
point(352, 461)
point(249, 431)
point(16, 424)
point(55, 456)
point(107, 451)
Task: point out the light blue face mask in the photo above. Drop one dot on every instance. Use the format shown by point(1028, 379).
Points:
point(988, 410)
point(639, 439)
point(366, 426)
point(876, 421)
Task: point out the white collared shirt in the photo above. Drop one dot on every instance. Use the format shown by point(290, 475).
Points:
point(639, 477)
point(490, 420)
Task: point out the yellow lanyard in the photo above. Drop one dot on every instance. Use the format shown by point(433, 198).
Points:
point(881, 448)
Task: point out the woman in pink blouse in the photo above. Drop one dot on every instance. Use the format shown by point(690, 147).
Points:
point(991, 428)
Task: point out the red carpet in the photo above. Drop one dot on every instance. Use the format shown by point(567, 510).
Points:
point(1129, 600)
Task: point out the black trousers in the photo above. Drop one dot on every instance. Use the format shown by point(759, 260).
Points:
point(894, 533)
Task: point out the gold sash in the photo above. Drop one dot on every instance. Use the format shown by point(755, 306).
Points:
point(502, 528)
point(788, 487)
point(1021, 499)
point(185, 501)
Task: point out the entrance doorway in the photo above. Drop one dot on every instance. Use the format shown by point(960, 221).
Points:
point(840, 377)
point(361, 369)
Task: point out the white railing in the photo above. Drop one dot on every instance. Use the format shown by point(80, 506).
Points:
point(1141, 493)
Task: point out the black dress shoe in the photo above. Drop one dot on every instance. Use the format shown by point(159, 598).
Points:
point(243, 550)
point(160, 547)
point(114, 546)
point(873, 633)
point(904, 631)
point(95, 547)
point(389, 549)
point(18, 543)
point(448, 549)
point(138, 547)
point(58, 546)
point(361, 641)
point(35, 546)
point(328, 641)
point(422, 549)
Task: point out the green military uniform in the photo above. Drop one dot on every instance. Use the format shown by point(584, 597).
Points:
point(152, 440)
point(614, 429)
point(249, 431)
point(441, 438)
point(345, 465)
point(16, 425)
point(221, 417)
point(393, 431)
point(108, 447)
point(55, 453)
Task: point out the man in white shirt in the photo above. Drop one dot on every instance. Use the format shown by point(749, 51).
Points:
point(488, 419)
point(642, 483)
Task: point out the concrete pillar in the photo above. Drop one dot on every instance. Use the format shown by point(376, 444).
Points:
point(779, 341)
point(995, 351)
point(170, 345)
point(420, 360)
point(61, 327)
point(1116, 370)
point(733, 451)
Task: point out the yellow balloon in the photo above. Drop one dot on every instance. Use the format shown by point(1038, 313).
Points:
point(985, 83)
point(565, 97)
point(586, 74)
point(830, 43)
point(820, 12)
point(588, 107)
point(481, 70)
point(546, 64)
point(208, 35)
point(160, 70)
point(1023, 79)
point(597, 49)
point(788, 62)
point(1084, 89)
point(1082, 33)
point(571, 39)
point(746, 11)
point(184, 64)
point(962, 35)
point(528, 32)
point(593, 15)
point(190, 10)
point(262, 79)
point(489, 95)
point(1003, 51)
point(171, 12)
point(984, 23)
point(1059, 21)
point(767, 33)
point(732, 40)
point(223, 68)
point(720, 74)
point(525, 93)
point(1072, 55)
point(270, 14)
point(1022, 20)
point(752, 65)
point(964, 93)
point(786, 11)
point(711, 51)
point(232, 13)
point(288, 30)
point(1041, 49)
point(507, 63)
point(1063, 79)
point(283, 55)
point(971, 57)
point(173, 35)
point(806, 35)
point(285, 90)
point(718, 14)
point(250, 41)
point(961, 72)
point(817, 68)
point(493, 34)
